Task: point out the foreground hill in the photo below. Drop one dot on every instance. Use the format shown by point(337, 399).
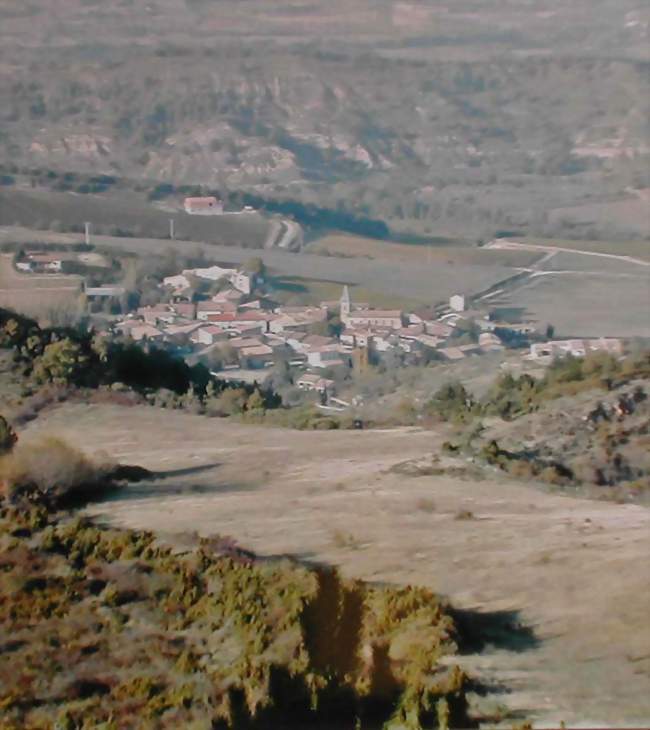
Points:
point(558, 580)
point(107, 628)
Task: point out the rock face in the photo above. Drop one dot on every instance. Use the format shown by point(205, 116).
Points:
point(339, 104)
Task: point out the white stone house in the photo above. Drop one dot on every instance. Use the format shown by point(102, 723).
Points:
point(457, 303)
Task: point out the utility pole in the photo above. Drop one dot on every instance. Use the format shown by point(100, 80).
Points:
point(87, 232)
point(171, 228)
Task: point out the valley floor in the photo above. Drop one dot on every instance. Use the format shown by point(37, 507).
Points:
point(573, 573)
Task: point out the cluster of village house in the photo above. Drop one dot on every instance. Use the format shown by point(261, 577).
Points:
point(255, 331)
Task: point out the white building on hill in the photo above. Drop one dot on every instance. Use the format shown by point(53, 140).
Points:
point(457, 303)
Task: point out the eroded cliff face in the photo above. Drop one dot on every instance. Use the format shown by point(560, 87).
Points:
point(367, 104)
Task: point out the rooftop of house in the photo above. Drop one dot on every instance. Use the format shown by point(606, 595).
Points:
point(181, 329)
point(254, 316)
point(206, 202)
point(429, 340)
point(249, 327)
point(213, 329)
point(412, 330)
point(145, 330)
point(318, 340)
point(375, 314)
point(187, 309)
point(46, 257)
point(256, 351)
point(333, 347)
point(217, 307)
point(452, 353)
point(227, 295)
point(221, 317)
point(287, 309)
point(438, 328)
point(239, 342)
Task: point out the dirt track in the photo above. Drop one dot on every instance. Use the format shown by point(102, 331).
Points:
point(576, 570)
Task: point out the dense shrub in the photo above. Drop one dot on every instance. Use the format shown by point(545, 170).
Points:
point(7, 436)
point(523, 465)
point(50, 470)
point(452, 402)
point(66, 356)
point(107, 625)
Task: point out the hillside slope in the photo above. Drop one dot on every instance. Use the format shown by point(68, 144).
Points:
point(562, 577)
point(423, 115)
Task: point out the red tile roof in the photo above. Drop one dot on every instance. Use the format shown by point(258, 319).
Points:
point(207, 202)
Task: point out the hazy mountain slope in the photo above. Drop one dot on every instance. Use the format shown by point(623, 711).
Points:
point(470, 117)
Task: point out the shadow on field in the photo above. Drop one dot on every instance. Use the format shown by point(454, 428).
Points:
point(129, 473)
point(145, 491)
point(481, 630)
point(139, 483)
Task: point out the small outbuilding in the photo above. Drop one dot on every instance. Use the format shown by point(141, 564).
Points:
point(203, 206)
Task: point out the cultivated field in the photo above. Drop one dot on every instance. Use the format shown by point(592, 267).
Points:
point(637, 249)
point(341, 244)
point(302, 290)
point(563, 577)
point(130, 212)
point(582, 304)
point(595, 296)
point(630, 212)
point(34, 294)
point(420, 283)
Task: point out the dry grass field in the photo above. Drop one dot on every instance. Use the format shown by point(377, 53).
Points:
point(565, 577)
point(35, 294)
point(637, 249)
point(378, 280)
point(450, 254)
point(128, 211)
point(582, 304)
point(630, 212)
point(303, 290)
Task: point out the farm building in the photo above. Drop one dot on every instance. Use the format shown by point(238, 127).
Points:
point(203, 206)
point(47, 261)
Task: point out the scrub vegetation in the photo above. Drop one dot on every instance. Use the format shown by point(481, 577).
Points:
point(103, 625)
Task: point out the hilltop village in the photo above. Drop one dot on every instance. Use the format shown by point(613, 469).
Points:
point(240, 332)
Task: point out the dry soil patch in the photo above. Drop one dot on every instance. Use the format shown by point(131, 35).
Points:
point(577, 570)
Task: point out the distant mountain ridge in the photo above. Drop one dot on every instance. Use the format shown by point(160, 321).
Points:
point(425, 115)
